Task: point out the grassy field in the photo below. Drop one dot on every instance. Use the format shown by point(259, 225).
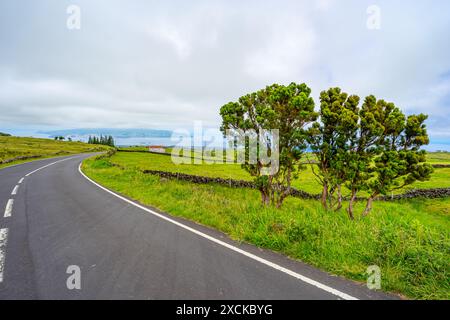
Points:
point(438, 157)
point(33, 148)
point(409, 241)
point(306, 181)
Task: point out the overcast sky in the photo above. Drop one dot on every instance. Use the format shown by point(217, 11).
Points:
point(164, 64)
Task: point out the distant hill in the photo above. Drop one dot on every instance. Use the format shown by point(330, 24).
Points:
point(116, 133)
point(2, 134)
point(21, 149)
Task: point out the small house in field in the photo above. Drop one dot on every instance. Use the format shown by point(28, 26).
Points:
point(158, 149)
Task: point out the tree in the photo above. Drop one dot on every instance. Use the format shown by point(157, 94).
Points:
point(363, 147)
point(400, 162)
point(104, 140)
point(288, 109)
point(110, 141)
point(329, 139)
point(373, 148)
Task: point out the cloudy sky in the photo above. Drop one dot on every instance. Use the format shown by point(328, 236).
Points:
point(155, 64)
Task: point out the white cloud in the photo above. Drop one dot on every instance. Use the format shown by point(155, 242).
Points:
point(178, 39)
point(286, 50)
point(155, 64)
point(324, 4)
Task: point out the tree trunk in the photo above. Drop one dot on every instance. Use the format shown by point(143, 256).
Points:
point(279, 203)
point(265, 200)
point(325, 196)
point(369, 205)
point(339, 204)
point(284, 192)
point(350, 205)
point(282, 196)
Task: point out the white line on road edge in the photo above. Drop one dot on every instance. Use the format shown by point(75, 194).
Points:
point(48, 165)
point(31, 162)
point(3, 240)
point(8, 209)
point(21, 180)
point(14, 192)
point(229, 246)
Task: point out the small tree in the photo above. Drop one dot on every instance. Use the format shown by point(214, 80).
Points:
point(329, 139)
point(244, 116)
point(363, 147)
point(288, 109)
point(111, 141)
point(401, 162)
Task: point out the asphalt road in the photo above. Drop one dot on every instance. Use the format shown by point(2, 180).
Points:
point(57, 218)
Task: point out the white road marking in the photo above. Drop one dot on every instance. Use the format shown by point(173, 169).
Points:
point(3, 240)
point(8, 209)
point(48, 165)
point(28, 162)
point(14, 192)
point(21, 180)
point(229, 246)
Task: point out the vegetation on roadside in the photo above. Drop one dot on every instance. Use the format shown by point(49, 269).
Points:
point(14, 150)
point(307, 182)
point(286, 109)
point(368, 150)
point(408, 240)
point(373, 148)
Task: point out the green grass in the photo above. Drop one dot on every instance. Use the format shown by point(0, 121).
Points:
point(438, 157)
point(408, 240)
point(306, 181)
point(134, 148)
point(13, 147)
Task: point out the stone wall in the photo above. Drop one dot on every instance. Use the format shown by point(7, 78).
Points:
point(441, 165)
point(424, 193)
point(419, 193)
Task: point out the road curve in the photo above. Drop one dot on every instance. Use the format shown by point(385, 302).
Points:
point(52, 217)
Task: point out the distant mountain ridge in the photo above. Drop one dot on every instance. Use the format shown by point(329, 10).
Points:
point(117, 133)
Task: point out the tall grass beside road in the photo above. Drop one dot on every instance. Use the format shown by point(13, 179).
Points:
point(408, 240)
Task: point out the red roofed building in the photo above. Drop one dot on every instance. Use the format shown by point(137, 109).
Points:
point(158, 149)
